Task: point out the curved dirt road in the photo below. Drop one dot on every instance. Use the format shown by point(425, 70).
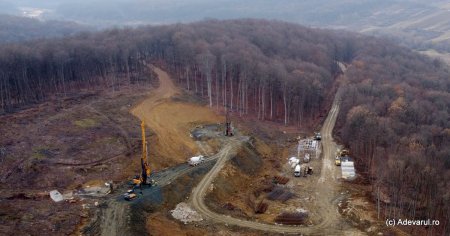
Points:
point(327, 189)
point(165, 90)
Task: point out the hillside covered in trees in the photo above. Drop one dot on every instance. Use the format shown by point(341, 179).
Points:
point(394, 112)
point(18, 29)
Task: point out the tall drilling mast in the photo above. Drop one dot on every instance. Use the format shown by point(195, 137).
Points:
point(228, 126)
point(144, 164)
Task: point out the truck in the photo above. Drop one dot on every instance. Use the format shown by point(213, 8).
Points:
point(130, 195)
point(341, 156)
point(297, 171)
point(317, 136)
point(344, 152)
point(193, 161)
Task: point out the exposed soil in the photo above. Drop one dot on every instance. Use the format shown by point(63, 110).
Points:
point(172, 121)
point(93, 138)
point(65, 144)
point(230, 201)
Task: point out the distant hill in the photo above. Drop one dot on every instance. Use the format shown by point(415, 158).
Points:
point(17, 29)
point(417, 24)
point(393, 115)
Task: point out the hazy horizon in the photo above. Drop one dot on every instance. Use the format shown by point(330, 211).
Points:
point(413, 22)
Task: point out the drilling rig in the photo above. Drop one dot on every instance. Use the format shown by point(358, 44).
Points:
point(228, 126)
point(143, 178)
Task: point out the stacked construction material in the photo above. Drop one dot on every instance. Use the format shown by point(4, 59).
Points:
point(348, 170)
point(280, 180)
point(292, 218)
point(261, 208)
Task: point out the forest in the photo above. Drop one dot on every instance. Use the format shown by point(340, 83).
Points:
point(394, 112)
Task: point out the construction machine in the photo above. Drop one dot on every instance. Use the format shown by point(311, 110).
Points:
point(228, 126)
point(317, 136)
point(344, 152)
point(337, 161)
point(143, 178)
point(341, 154)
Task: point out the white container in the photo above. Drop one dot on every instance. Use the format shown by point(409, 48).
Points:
point(196, 160)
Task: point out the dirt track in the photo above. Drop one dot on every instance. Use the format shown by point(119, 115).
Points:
point(165, 90)
point(327, 186)
point(171, 121)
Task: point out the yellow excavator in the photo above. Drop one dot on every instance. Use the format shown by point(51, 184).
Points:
point(144, 177)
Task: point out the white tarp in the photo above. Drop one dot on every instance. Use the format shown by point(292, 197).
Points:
point(348, 170)
point(293, 161)
point(56, 196)
point(348, 164)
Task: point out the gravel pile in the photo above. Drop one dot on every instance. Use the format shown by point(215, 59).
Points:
point(183, 212)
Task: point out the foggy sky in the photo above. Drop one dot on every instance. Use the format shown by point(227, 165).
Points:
point(119, 12)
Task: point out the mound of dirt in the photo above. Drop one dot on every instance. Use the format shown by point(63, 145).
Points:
point(247, 160)
point(236, 183)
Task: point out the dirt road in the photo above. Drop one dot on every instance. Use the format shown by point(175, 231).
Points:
point(165, 90)
point(326, 187)
point(171, 121)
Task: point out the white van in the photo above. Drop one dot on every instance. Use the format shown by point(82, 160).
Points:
point(196, 160)
point(297, 171)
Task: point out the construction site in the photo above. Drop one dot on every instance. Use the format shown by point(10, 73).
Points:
point(175, 167)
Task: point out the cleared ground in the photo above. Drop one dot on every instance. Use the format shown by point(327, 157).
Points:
point(84, 139)
point(327, 193)
point(172, 121)
point(110, 149)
